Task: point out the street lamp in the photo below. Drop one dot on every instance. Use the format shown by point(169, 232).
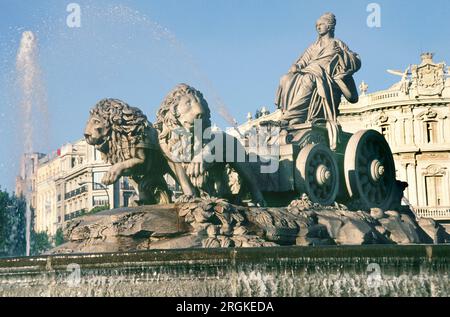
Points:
point(101, 185)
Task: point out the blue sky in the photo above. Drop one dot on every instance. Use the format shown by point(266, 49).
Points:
point(234, 51)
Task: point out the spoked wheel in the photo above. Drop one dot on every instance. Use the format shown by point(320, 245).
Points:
point(369, 169)
point(317, 174)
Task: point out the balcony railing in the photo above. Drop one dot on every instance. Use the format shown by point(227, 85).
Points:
point(76, 192)
point(379, 97)
point(100, 202)
point(436, 213)
point(75, 214)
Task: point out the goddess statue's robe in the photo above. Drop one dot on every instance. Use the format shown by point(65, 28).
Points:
point(314, 92)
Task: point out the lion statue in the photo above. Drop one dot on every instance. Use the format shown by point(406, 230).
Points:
point(183, 122)
point(129, 142)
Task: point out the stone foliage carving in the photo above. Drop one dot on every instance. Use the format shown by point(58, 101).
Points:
point(220, 223)
point(433, 170)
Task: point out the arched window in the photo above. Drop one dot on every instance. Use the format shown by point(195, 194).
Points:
point(385, 124)
point(432, 127)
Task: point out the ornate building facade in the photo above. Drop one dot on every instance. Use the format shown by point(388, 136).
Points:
point(26, 180)
point(67, 184)
point(414, 117)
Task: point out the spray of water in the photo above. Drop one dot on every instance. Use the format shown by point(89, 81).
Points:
point(32, 102)
point(26, 70)
point(33, 117)
point(123, 13)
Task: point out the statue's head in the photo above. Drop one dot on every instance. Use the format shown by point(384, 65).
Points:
point(97, 127)
point(182, 107)
point(326, 24)
point(113, 121)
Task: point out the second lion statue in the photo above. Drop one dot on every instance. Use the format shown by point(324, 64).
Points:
point(178, 120)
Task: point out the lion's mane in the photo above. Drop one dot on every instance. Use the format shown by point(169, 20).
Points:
point(129, 129)
point(171, 131)
point(167, 116)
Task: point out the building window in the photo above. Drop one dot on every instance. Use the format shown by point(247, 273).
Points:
point(431, 131)
point(97, 155)
point(126, 200)
point(100, 201)
point(125, 185)
point(385, 131)
point(97, 180)
point(434, 190)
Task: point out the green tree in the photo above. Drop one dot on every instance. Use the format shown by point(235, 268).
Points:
point(59, 237)
point(40, 242)
point(3, 205)
point(98, 209)
point(12, 225)
point(13, 228)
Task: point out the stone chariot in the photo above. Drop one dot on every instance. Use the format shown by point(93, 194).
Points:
point(360, 172)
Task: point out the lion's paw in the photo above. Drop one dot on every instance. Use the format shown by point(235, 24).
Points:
point(112, 175)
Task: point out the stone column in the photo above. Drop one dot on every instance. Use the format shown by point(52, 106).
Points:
point(403, 138)
point(410, 140)
point(412, 183)
point(442, 122)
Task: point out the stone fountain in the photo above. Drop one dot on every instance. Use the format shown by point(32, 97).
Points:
point(327, 221)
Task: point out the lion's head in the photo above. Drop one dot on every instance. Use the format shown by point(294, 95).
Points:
point(182, 106)
point(116, 129)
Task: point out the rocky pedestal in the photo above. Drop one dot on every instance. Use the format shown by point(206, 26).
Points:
point(214, 223)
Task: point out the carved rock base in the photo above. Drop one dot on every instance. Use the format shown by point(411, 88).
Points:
point(214, 223)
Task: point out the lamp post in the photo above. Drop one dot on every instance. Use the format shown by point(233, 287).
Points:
point(102, 186)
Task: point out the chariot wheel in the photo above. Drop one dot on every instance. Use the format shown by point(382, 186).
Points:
point(369, 169)
point(317, 174)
